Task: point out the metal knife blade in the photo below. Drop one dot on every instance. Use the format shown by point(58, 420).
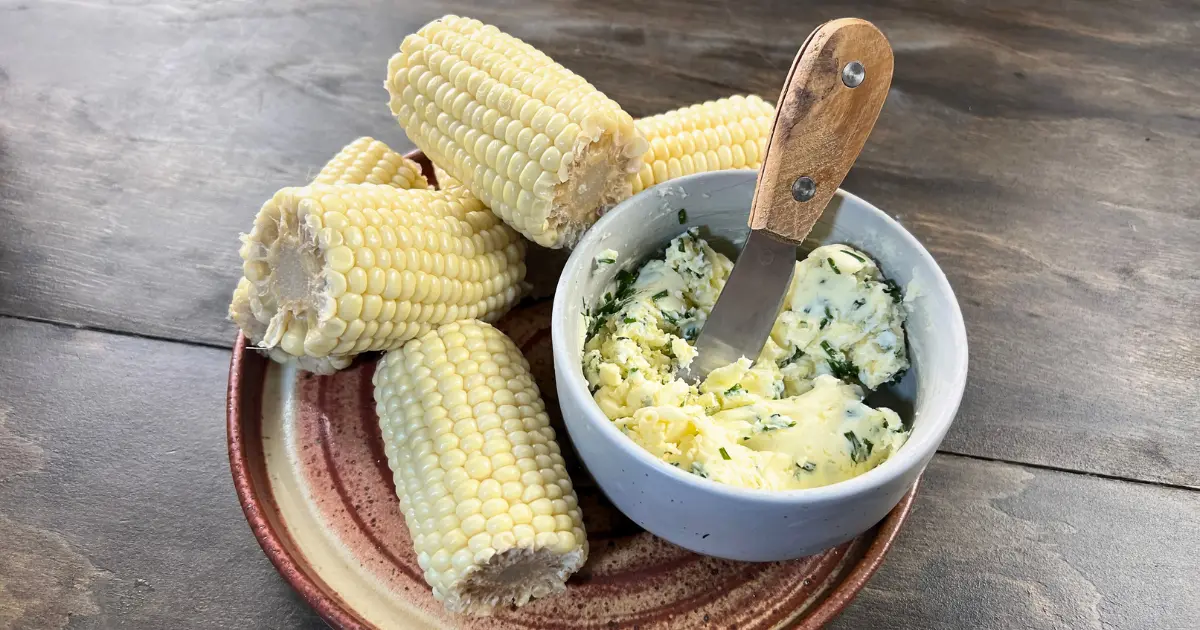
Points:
point(742, 318)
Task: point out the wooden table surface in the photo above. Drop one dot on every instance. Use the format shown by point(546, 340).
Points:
point(1047, 154)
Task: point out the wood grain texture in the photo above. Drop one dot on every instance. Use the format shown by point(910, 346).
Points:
point(1045, 153)
point(116, 510)
point(993, 545)
point(821, 125)
point(116, 505)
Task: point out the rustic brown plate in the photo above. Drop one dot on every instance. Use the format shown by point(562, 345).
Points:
point(310, 472)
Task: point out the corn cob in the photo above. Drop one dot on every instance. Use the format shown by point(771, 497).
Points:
point(535, 142)
point(728, 133)
point(481, 481)
point(362, 160)
point(334, 271)
point(369, 161)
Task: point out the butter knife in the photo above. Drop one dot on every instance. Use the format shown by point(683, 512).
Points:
point(828, 106)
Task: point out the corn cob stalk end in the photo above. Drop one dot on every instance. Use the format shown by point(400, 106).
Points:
point(241, 313)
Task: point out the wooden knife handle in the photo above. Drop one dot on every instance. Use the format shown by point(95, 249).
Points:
point(821, 125)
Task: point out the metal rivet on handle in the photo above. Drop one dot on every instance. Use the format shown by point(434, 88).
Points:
point(853, 74)
point(803, 188)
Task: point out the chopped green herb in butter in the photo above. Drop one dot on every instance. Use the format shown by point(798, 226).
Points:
point(764, 423)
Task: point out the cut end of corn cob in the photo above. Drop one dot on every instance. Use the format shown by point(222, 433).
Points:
point(365, 160)
point(334, 271)
point(715, 135)
point(241, 312)
point(535, 142)
point(369, 161)
point(514, 577)
point(481, 481)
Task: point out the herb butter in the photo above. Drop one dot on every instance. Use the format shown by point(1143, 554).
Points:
point(794, 418)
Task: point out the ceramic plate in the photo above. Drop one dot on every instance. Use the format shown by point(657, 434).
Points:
point(309, 469)
point(310, 472)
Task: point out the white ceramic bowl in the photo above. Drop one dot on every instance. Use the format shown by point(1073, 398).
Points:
point(719, 520)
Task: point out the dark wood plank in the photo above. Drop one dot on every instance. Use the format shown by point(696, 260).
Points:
point(993, 545)
point(116, 504)
point(116, 509)
point(1044, 152)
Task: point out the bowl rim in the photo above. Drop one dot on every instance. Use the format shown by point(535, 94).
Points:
point(913, 454)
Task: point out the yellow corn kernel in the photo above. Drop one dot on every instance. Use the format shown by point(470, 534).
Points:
point(533, 141)
point(445, 181)
point(727, 133)
point(369, 161)
point(316, 301)
point(480, 544)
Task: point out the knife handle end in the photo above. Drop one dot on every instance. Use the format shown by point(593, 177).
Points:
point(828, 106)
